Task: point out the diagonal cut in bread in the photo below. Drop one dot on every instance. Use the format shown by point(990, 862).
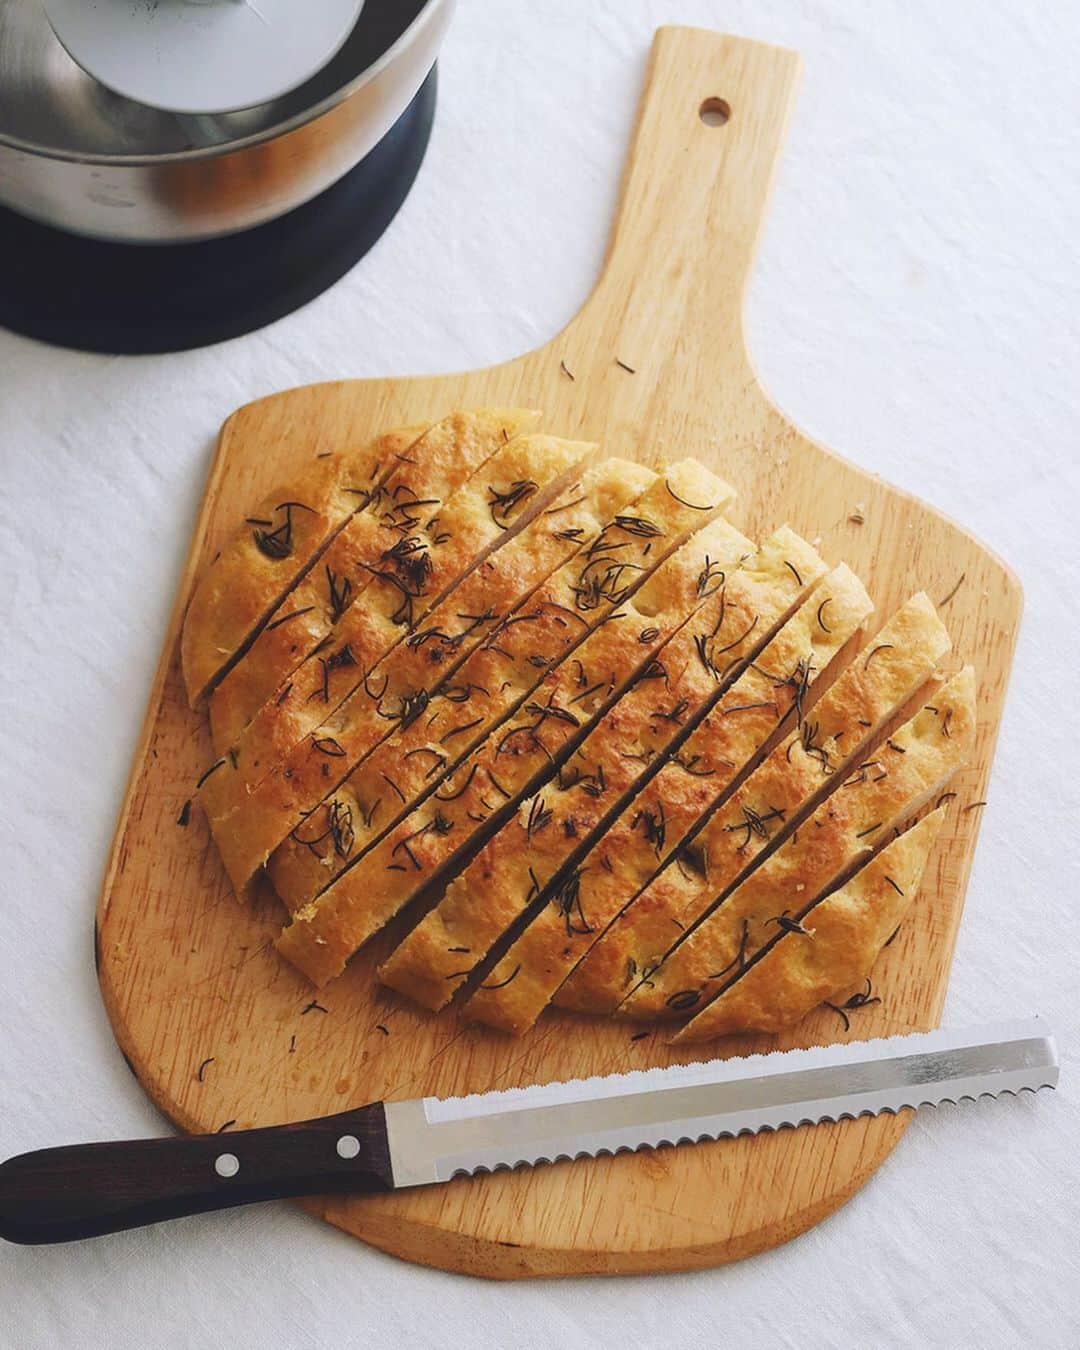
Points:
point(582, 723)
point(842, 939)
point(546, 950)
point(520, 755)
point(428, 660)
point(917, 762)
point(398, 585)
point(571, 604)
point(267, 554)
point(511, 873)
point(723, 844)
point(406, 539)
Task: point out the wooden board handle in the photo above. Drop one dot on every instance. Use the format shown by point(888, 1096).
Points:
point(710, 127)
point(59, 1194)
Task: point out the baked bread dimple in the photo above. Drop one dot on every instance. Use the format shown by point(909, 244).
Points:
point(914, 766)
point(705, 856)
point(399, 537)
point(580, 597)
point(517, 757)
point(316, 850)
point(510, 873)
point(266, 554)
point(843, 938)
point(400, 575)
point(613, 869)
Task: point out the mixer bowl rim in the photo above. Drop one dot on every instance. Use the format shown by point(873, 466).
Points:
point(366, 76)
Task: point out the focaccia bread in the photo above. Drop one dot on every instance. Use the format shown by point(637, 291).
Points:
point(623, 756)
point(406, 569)
point(428, 660)
point(517, 757)
point(726, 840)
point(511, 872)
point(629, 547)
point(834, 955)
point(623, 855)
point(400, 538)
point(914, 766)
point(271, 550)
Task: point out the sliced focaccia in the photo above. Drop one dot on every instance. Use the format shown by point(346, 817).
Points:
point(605, 876)
point(274, 546)
point(399, 585)
point(325, 840)
point(831, 952)
point(703, 857)
point(516, 758)
point(914, 766)
point(406, 538)
point(510, 873)
point(573, 599)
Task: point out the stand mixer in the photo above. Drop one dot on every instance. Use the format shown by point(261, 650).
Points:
point(176, 172)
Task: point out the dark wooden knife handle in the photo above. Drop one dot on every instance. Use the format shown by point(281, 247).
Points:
point(59, 1194)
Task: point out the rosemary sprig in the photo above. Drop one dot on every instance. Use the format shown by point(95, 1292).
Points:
point(503, 504)
point(501, 984)
point(691, 506)
point(860, 1000)
point(739, 959)
point(654, 826)
point(567, 899)
point(881, 647)
point(340, 589)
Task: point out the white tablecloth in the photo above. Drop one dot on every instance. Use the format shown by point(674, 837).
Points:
point(915, 306)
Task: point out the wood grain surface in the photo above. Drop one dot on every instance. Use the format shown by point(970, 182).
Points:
point(188, 976)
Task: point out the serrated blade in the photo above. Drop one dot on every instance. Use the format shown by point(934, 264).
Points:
point(433, 1140)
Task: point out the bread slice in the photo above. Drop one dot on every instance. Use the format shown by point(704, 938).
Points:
point(391, 749)
point(511, 872)
point(603, 879)
point(916, 763)
point(409, 537)
point(706, 856)
point(324, 841)
point(841, 939)
point(572, 602)
point(404, 584)
point(270, 551)
point(515, 759)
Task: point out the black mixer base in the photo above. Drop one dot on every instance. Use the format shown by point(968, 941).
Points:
point(141, 298)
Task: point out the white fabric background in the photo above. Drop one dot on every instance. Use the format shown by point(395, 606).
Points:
point(915, 306)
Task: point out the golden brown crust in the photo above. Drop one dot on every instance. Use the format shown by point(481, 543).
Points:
point(374, 714)
point(844, 936)
point(837, 728)
point(435, 561)
point(305, 862)
point(910, 769)
point(521, 858)
point(403, 535)
point(571, 713)
point(445, 639)
point(519, 755)
point(579, 595)
point(262, 560)
point(626, 852)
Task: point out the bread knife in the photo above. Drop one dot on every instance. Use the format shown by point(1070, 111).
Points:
point(59, 1194)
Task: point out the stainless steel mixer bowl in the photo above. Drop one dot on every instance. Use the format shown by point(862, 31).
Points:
point(75, 155)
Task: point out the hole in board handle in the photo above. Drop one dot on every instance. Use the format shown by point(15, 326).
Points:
point(714, 112)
